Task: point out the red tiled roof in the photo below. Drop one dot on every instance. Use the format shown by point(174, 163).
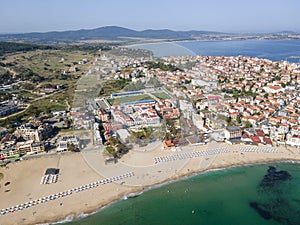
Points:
point(260, 133)
point(267, 141)
point(169, 143)
point(255, 139)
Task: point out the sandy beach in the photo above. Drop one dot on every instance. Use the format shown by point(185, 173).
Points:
point(20, 182)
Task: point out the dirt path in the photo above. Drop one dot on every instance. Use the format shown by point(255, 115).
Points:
point(11, 71)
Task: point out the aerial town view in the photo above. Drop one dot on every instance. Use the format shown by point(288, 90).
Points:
point(150, 125)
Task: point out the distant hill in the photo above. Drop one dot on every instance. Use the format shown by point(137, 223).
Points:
point(106, 33)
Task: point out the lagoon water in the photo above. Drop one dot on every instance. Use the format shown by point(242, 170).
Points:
point(214, 198)
point(165, 49)
point(275, 50)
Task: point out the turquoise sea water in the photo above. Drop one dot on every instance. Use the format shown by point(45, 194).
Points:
point(215, 198)
point(275, 50)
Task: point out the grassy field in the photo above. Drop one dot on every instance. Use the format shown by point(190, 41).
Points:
point(25, 94)
point(86, 88)
point(162, 95)
point(113, 86)
point(49, 64)
point(46, 105)
point(117, 101)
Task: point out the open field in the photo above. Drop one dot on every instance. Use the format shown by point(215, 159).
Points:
point(47, 62)
point(162, 95)
point(56, 69)
point(47, 68)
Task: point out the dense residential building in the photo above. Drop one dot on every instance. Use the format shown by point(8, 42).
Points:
point(121, 117)
point(239, 90)
point(186, 109)
point(103, 115)
point(30, 147)
point(30, 132)
point(135, 113)
point(22, 148)
point(232, 132)
point(7, 109)
point(167, 109)
point(213, 93)
point(293, 140)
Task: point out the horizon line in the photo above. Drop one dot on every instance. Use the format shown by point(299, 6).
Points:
point(157, 29)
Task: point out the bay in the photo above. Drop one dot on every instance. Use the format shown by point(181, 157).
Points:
point(275, 50)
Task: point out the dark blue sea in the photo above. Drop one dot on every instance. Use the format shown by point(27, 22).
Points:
point(275, 50)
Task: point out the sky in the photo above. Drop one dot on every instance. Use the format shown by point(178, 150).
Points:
point(21, 16)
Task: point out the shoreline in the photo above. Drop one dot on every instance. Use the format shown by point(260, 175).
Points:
point(164, 49)
point(80, 205)
point(154, 186)
point(154, 42)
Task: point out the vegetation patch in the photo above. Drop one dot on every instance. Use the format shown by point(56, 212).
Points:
point(162, 66)
point(10, 47)
point(112, 86)
point(162, 95)
point(142, 134)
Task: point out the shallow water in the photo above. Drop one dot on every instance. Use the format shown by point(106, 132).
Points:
point(218, 197)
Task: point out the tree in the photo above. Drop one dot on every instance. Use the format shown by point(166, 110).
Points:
point(112, 141)
point(71, 147)
point(277, 78)
point(168, 136)
point(228, 119)
point(33, 111)
point(110, 151)
point(248, 124)
point(102, 92)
